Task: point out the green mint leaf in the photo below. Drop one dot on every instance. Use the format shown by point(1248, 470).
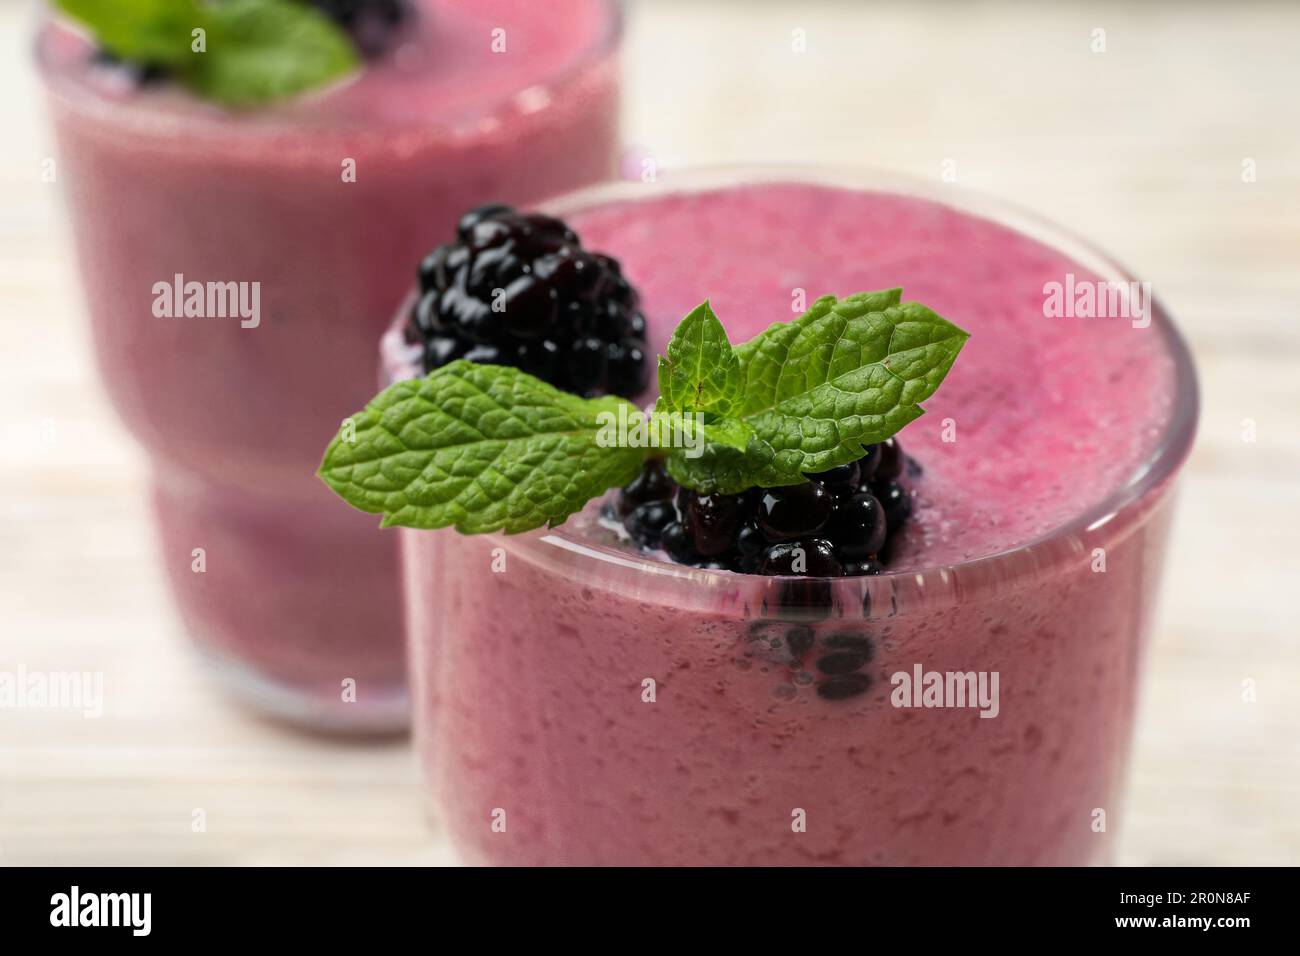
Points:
point(721, 469)
point(843, 375)
point(480, 448)
point(868, 301)
point(731, 433)
point(252, 51)
point(700, 373)
point(692, 431)
point(143, 31)
point(262, 50)
point(487, 448)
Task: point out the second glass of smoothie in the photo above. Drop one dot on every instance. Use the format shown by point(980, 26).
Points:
point(324, 202)
point(582, 702)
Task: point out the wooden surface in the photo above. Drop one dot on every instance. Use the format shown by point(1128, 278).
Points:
point(1139, 148)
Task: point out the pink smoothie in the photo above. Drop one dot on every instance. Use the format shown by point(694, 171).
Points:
point(531, 681)
point(328, 201)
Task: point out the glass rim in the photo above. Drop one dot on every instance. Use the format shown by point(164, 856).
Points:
point(1023, 562)
point(607, 42)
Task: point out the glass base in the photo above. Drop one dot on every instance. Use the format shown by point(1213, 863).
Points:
point(304, 708)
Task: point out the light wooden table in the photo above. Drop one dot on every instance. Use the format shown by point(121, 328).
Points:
point(1140, 148)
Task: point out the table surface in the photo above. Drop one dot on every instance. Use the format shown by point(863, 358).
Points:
point(1140, 147)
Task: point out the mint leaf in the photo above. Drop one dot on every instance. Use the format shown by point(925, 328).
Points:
point(254, 50)
point(723, 468)
point(478, 447)
point(487, 448)
point(144, 31)
point(868, 301)
point(700, 372)
point(731, 433)
point(261, 50)
point(843, 375)
point(694, 432)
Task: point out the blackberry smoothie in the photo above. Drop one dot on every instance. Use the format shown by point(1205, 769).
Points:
point(325, 201)
point(581, 699)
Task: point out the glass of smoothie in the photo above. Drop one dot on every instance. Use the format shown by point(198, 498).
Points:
point(582, 697)
point(309, 212)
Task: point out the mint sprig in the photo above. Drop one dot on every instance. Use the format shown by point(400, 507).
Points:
point(488, 448)
point(477, 447)
point(845, 374)
point(254, 51)
point(154, 32)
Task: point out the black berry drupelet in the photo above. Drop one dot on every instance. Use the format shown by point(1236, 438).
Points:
point(373, 25)
point(837, 523)
point(139, 74)
point(519, 290)
point(794, 511)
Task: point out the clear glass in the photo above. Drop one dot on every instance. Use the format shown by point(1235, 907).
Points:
point(291, 599)
point(529, 693)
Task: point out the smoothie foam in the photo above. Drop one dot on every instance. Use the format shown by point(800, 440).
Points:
point(530, 682)
point(1050, 416)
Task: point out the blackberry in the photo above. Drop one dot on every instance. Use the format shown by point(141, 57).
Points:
point(814, 557)
point(843, 686)
point(647, 523)
point(714, 521)
point(845, 476)
point(840, 662)
point(840, 522)
point(750, 545)
point(869, 463)
point(889, 465)
point(517, 289)
point(652, 484)
point(858, 526)
point(850, 641)
point(676, 542)
point(801, 600)
point(139, 74)
point(844, 653)
point(896, 501)
point(372, 25)
point(800, 641)
point(836, 663)
point(777, 643)
point(794, 511)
